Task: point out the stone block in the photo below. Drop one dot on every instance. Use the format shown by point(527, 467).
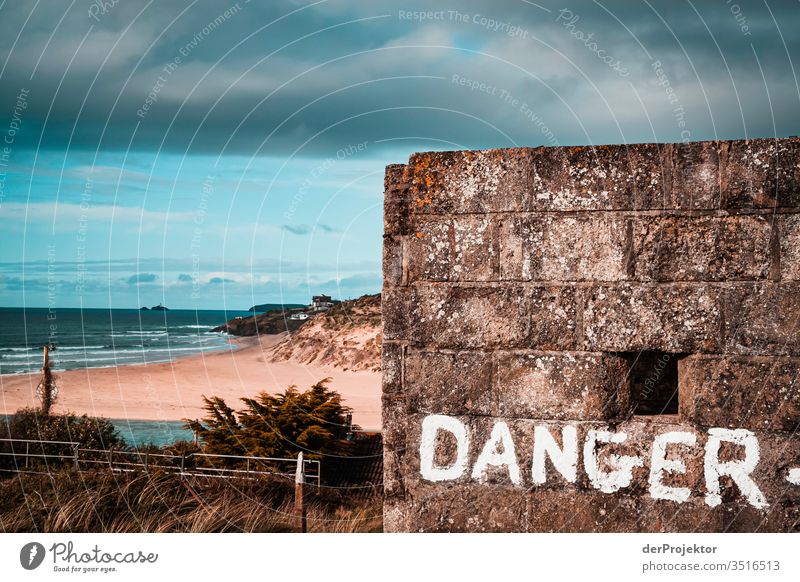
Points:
point(467, 316)
point(701, 248)
point(757, 393)
point(695, 177)
point(563, 248)
point(672, 318)
point(560, 386)
point(612, 177)
point(469, 181)
point(392, 368)
point(398, 313)
point(396, 206)
point(452, 383)
point(581, 512)
point(763, 319)
point(461, 248)
point(790, 247)
point(460, 508)
point(392, 261)
point(761, 173)
point(475, 253)
point(430, 250)
point(665, 516)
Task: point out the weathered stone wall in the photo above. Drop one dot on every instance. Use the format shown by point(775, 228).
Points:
point(519, 284)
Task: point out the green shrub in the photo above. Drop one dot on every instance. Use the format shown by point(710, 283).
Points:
point(33, 424)
point(280, 425)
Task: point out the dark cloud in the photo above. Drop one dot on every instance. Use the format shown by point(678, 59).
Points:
point(219, 280)
point(299, 229)
point(339, 73)
point(303, 229)
point(142, 278)
point(184, 278)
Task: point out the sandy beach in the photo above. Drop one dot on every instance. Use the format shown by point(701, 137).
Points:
point(173, 390)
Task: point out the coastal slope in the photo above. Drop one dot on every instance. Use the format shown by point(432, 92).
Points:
point(347, 337)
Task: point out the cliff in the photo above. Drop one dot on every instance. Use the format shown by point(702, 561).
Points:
point(270, 323)
point(347, 337)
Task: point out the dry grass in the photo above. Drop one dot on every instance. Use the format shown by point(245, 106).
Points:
point(99, 501)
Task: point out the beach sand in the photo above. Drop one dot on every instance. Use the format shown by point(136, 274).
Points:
point(173, 390)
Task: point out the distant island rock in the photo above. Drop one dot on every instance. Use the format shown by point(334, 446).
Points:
point(158, 307)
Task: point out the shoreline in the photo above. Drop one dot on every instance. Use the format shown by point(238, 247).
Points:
point(171, 391)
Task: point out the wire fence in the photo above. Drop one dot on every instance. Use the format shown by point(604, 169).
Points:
point(29, 455)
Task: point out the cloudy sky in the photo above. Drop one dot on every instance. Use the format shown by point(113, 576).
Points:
point(220, 154)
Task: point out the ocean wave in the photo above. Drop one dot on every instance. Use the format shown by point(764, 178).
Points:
point(78, 348)
point(106, 359)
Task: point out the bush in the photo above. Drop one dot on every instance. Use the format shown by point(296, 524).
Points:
point(33, 424)
point(281, 425)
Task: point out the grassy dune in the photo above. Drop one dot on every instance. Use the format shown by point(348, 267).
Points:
point(99, 501)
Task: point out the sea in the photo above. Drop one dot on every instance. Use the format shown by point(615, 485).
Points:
point(138, 433)
point(99, 338)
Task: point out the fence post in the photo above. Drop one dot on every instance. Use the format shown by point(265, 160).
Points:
point(27, 452)
point(183, 462)
point(299, 505)
point(146, 460)
point(75, 456)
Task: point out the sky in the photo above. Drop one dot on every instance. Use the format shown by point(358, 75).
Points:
point(210, 155)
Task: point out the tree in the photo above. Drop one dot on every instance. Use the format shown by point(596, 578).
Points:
point(280, 425)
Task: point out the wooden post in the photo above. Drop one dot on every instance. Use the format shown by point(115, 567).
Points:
point(299, 504)
point(75, 456)
point(47, 383)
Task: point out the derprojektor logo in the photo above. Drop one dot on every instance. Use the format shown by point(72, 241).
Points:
point(31, 555)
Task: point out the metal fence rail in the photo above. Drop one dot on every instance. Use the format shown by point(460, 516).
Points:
point(26, 451)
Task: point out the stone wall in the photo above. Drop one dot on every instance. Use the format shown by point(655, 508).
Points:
point(521, 288)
